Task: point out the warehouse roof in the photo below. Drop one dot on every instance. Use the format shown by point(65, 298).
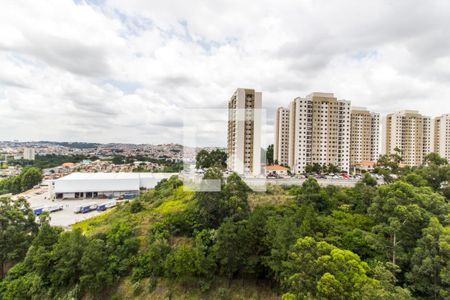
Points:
point(107, 182)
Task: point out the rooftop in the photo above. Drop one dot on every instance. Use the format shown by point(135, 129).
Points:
point(276, 168)
point(101, 182)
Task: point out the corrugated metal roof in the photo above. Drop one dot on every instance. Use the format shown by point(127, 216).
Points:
point(107, 182)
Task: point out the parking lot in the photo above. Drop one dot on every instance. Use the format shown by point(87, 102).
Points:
point(66, 216)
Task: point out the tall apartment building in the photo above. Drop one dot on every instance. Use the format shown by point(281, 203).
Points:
point(364, 135)
point(29, 153)
point(410, 132)
point(281, 145)
point(441, 140)
point(319, 132)
point(427, 136)
point(244, 132)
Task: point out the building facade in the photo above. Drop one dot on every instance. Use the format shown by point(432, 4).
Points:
point(281, 145)
point(104, 185)
point(319, 132)
point(244, 132)
point(29, 153)
point(364, 136)
point(441, 132)
point(410, 132)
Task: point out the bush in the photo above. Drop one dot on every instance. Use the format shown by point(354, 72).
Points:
point(136, 206)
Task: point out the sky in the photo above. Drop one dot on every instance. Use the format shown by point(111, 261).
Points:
point(130, 71)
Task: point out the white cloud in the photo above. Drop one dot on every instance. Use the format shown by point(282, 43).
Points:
point(122, 71)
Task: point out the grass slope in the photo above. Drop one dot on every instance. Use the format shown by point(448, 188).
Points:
point(155, 211)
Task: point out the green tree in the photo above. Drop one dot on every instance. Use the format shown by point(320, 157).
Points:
point(30, 177)
point(21, 285)
point(202, 159)
point(283, 229)
point(436, 175)
point(389, 164)
point(151, 262)
point(186, 263)
point(39, 256)
point(211, 203)
point(368, 180)
point(349, 230)
point(216, 158)
point(320, 270)
point(236, 195)
point(311, 194)
point(118, 159)
point(122, 246)
point(361, 196)
point(269, 155)
point(401, 211)
point(314, 168)
point(17, 230)
point(331, 169)
point(385, 287)
point(231, 247)
point(415, 179)
point(428, 263)
point(94, 267)
point(66, 256)
point(444, 250)
point(435, 159)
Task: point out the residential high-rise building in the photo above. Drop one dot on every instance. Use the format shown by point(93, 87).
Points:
point(441, 140)
point(29, 153)
point(281, 145)
point(244, 132)
point(364, 135)
point(427, 136)
point(408, 131)
point(319, 132)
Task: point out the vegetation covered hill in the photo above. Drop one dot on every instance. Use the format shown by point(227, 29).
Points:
point(305, 242)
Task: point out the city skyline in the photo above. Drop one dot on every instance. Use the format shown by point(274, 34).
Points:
point(103, 71)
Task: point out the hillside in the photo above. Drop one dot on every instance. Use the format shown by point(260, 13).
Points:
point(155, 210)
point(368, 242)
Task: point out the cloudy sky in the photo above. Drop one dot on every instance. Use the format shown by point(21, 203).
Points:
point(126, 71)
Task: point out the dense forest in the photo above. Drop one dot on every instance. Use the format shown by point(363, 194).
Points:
point(28, 178)
point(389, 241)
point(50, 160)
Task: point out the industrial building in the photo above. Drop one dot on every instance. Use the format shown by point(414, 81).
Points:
point(104, 185)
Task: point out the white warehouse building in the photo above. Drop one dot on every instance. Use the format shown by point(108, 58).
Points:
point(104, 185)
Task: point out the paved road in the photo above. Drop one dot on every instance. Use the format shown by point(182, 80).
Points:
point(322, 182)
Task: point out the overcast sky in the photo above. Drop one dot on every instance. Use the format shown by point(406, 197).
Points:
point(124, 71)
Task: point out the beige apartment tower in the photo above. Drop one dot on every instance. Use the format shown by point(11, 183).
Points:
point(319, 132)
point(29, 153)
point(441, 139)
point(364, 135)
point(281, 145)
point(244, 132)
point(410, 132)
